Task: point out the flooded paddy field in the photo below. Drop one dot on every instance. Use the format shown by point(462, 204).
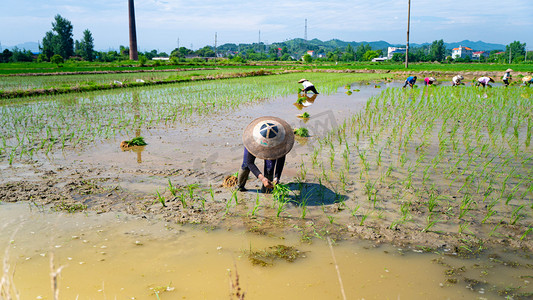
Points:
point(420, 192)
point(43, 81)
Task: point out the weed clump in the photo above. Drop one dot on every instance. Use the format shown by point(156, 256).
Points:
point(267, 257)
point(69, 207)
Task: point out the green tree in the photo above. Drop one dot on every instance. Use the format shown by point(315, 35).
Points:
point(48, 45)
point(180, 52)
point(437, 51)
point(86, 46)
point(56, 59)
point(285, 57)
point(19, 55)
point(5, 55)
point(361, 50)
point(369, 55)
point(349, 54)
point(307, 58)
point(64, 44)
point(518, 50)
point(206, 51)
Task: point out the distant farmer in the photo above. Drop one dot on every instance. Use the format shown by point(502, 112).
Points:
point(456, 80)
point(484, 81)
point(507, 77)
point(308, 86)
point(411, 80)
point(267, 138)
point(429, 80)
point(527, 80)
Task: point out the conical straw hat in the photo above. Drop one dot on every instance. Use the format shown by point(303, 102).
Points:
point(302, 80)
point(268, 138)
point(508, 70)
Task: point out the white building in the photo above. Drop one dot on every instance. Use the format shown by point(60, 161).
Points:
point(462, 52)
point(480, 54)
point(392, 50)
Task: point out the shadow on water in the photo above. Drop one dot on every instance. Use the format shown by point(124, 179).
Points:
point(310, 194)
point(313, 194)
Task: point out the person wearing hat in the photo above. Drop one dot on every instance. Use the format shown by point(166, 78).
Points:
point(527, 80)
point(411, 80)
point(308, 86)
point(507, 77)
point(429, 80)
point(484, 81)
point(268, 138)
point(456, 80)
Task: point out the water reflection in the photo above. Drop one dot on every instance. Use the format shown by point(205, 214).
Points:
point(136, 116)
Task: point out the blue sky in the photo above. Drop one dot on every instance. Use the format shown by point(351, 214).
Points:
point(161, 23)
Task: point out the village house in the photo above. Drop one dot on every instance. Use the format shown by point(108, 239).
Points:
point(392, 50)
point(480, 54)
point(462, 52)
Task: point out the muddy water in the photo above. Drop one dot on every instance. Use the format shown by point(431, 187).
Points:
point(111, 256)
point(123, 257)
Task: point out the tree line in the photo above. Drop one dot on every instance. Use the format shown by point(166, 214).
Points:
point(58, 45)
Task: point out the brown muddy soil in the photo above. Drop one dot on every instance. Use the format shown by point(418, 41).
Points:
point(195, 156)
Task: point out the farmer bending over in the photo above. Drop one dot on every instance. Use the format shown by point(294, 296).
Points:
point(507, 77)
point(429, 80)
point(268, 138)
point(484, 81)
point(527, 80)
point(456, 80)
point(411, 80)
point(308, 86)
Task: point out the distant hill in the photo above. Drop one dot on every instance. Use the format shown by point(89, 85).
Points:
point(32, 46)
point(299, 46)
point(479, 45)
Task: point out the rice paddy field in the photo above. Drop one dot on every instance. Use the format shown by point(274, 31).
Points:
point(395, 193)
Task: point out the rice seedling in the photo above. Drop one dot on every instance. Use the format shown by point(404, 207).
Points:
point(528, 231)
point(173, 190)
point(515, 215)
point(136, 141)
point(256, 207)
point(280, 194)
point(160, 198)
point(302, 132)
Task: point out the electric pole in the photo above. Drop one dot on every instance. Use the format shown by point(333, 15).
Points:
point(407, 44)
point(215, 46)
point(305, 33)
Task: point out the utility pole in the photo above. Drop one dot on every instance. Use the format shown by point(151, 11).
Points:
point(305, 33)
point(408, 25)
point(215, 46)
point(134, 55)
point(259, 42)
point(178, 41)
point(510, 51)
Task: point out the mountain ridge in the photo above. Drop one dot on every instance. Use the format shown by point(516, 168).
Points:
point(333, 43)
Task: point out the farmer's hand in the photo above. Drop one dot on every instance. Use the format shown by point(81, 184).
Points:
point(265, 181)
